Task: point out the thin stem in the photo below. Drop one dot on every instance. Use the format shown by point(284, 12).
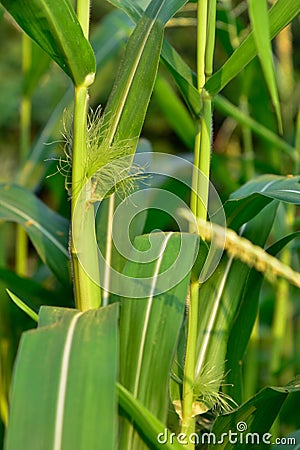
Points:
point(83, 247)
point(211, 33)
point(25, 126)
point(84, 250)
point(83, 14)
point(199, 197)
point(188, 423)
point(201, 42)
point(297, 144)
point(204, 160)
point(195, 176)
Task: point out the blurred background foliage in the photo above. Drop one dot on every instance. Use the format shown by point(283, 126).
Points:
point(237, 156)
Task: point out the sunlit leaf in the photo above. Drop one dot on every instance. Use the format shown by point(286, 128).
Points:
point(260, 24)
point(149, 326)
point(22, 305)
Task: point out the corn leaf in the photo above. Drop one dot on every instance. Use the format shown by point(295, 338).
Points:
point(255, 418)
point(23, 306)
point(247, 201)
point(65, 379)
point(244, 320)
point(126, 108)
point(280, 15)
point(53, 25)
point(260, 23)
point(257, 231)
point(150, 325)
point(48, 231)
point(183, 76)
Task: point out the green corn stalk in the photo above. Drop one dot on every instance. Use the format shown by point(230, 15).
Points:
point(87, 291)
point(199, 195)
point(25, 120)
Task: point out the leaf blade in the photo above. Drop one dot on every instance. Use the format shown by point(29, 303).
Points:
point(260, 24)
point(73, 348)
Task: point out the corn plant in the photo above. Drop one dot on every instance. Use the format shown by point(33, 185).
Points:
point(148, 330)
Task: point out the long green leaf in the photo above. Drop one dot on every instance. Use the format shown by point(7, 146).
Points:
point(65, 379)
point(260, 24)
point(22, 305)
point(257, 230)
point(149, 326)
point(183, 76)
point(54, 26)
point(244, 320)
point(127, 106)
point(282, 13)
point(48, 231)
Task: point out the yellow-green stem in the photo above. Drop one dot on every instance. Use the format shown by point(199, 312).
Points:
point(199, 195)
point(83, 14)
point(83, 242)
point(84, 250)
point(21, 256)
point(188, 422)
point(204, 159)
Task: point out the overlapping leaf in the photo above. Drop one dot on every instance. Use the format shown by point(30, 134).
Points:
point(149, 326)
point(260, 24)
point(65, 381)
